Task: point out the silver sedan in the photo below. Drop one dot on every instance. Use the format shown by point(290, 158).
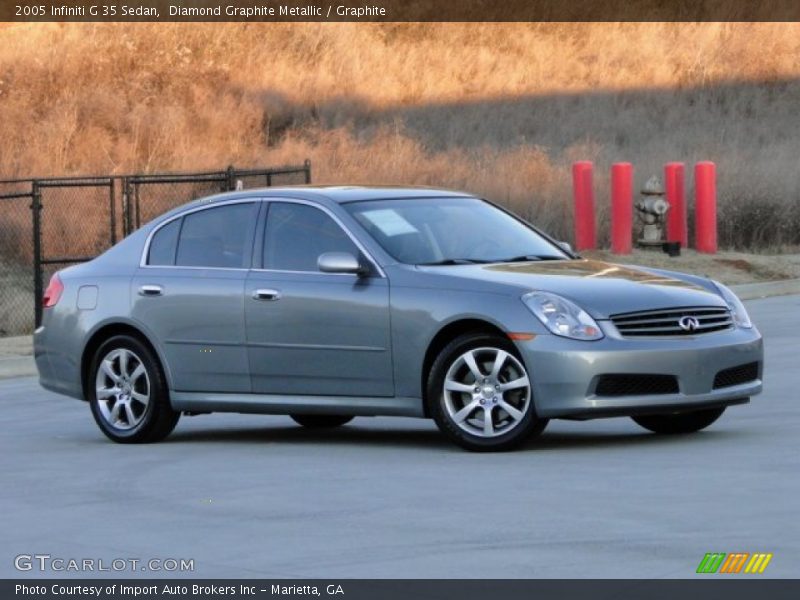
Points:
point(327, 303)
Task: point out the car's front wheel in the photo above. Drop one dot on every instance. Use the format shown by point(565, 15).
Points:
point(128, 395)
point(321, 421)
point(479, 394)
point(687, 422)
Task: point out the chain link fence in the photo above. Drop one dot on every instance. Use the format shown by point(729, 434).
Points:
point(48, 224)
point(16, 262)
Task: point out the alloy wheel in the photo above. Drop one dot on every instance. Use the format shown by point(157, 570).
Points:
point(487, 392)
point(122, 388)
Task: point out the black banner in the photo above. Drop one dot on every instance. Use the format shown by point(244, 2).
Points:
point(398, 10)
point(703, 587)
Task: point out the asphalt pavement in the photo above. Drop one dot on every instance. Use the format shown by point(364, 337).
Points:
point(258, 496)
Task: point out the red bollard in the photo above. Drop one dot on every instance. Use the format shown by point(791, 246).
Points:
point(677, 229)
point(621, 208)
point(705, 189)
point(584, 205)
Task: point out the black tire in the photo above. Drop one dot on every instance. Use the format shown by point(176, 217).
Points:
point(687, 422)
point(438, 400)
point(151, 422)
point(321, 421)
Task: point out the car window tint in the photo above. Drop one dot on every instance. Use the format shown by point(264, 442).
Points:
point(162, 246)
point(297, 234)
point(216, 237)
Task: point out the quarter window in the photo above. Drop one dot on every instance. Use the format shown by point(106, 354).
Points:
point(217, 237)
point(297, 234)
point(163, 244)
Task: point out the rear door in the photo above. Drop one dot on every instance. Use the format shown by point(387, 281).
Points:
point(308, 332)
point(190, 295)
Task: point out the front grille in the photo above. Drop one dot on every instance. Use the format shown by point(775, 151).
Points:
point(636, 385)
point(736, 375)
point(666, 322)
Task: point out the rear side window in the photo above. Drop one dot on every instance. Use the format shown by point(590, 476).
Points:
point(297, 234)
point(163, 244)
point(217, 237)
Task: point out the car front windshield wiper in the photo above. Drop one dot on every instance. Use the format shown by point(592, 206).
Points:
point(530, 258)
point(453, 261)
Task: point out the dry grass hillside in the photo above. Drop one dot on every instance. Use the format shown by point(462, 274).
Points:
point(499, 109)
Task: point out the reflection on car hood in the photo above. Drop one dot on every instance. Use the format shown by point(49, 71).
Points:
point(600, 288)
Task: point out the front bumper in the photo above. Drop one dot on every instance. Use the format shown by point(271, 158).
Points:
point(565, 372)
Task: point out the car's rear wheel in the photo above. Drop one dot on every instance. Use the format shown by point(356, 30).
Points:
point(128, 395)
point(480, 394)
point(687, 422)
point(321, 421)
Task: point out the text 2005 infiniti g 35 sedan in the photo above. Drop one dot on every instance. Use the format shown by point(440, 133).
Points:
point(326, 303)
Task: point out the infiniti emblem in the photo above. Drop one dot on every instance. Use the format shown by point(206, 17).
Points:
point(688, 323)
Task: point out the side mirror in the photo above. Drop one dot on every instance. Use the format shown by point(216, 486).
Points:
point(566, 246)
point(340, 262)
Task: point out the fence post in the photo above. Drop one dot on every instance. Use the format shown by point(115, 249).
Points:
point(113, 209)
point(705, 189)
point(231, 178)
point(677, 229)
point(138, 220)
point(125, 216)
point(123, 206)
point(621, 208)
point(36, 215)
point(584, 205)
point(307, 165)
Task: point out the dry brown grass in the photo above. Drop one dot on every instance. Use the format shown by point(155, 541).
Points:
point(499, 109)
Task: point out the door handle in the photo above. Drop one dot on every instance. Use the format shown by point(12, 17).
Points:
point(151, 290)
point(267, 294)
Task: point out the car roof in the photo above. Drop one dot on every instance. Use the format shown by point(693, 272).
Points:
point(342, 193)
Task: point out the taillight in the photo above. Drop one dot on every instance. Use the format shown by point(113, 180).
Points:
point(53, 292)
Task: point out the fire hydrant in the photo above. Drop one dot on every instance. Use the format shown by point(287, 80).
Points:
point(652, 209)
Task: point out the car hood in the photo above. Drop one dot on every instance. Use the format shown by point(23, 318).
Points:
point(600, 288)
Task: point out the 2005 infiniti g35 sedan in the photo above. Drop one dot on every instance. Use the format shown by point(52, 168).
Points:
point(327, 303)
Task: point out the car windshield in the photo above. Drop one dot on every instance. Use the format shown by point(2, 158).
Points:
point(443, 231)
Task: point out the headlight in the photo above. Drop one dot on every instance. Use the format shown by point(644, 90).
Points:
point(738, 311)
point(562, 317)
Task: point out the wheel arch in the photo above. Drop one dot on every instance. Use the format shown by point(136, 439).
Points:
point(107, 331)
point(444, 336)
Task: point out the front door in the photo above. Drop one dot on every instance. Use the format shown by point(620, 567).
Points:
point(314, 333)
